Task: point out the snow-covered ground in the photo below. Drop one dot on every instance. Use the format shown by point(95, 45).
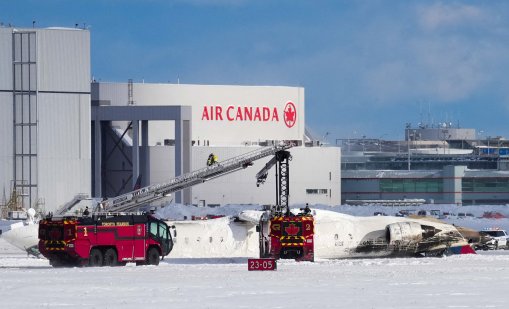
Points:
point(461, 281)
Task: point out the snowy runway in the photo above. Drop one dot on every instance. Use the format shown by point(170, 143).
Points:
point(466, 281)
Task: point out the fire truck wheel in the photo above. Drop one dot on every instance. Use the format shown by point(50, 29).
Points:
point(96, 257)
point(153, 256)
point(110, 257)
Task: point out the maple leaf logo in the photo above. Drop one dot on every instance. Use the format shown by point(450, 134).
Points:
point(292, 229)
point(290, 114)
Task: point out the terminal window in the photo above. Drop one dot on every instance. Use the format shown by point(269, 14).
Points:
point(411, 185)
point(487, 184)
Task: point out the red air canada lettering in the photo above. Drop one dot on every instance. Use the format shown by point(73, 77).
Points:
point(234, 113)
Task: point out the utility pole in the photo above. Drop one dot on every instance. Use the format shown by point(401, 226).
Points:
point(408, 150)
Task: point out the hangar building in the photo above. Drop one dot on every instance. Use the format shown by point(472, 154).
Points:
point(45, 120)
point(64, 135)
point(227, 121)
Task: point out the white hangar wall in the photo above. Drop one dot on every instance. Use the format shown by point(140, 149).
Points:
point(6, 151)
point(45, 119)
point(229, 121)
point(222, 115)
point(64, 147)
point(315, 176)
point(63, 115)
point(6, 104)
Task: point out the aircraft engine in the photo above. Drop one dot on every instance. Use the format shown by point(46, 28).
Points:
point(405, 233)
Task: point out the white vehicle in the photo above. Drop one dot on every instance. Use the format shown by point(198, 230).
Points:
point(498, 239)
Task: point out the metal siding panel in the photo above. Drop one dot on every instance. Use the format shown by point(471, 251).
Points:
point(60, 180)
point(114, 92)
point(85, 124)
point(64, 147)
point(5, 59)
point(64, 60)
point(6, 151)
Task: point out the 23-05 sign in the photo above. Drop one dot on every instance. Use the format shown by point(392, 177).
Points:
point(261, 264)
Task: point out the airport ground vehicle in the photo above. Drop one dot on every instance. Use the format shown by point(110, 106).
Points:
point(111, 235)
point(284, 235)
point(291, 237)
point(104, 240)
point(499, 239)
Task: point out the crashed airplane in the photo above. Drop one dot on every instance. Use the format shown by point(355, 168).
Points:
point(336, 236)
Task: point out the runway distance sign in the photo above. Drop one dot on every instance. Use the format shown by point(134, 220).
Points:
point(261, 264)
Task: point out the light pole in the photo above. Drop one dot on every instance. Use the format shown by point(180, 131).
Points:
point(481, 133)
point(444, 132)
point(409, 139)
point(408, 151)
point(380, 141)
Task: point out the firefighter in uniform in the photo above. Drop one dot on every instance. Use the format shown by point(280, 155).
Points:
point(306, 210)
point(211, 159)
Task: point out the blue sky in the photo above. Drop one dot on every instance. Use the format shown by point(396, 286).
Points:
point(368, 67)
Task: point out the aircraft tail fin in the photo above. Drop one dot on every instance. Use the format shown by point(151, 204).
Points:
point(466, 249)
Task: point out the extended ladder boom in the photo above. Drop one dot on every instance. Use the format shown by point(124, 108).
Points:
point(137, 198)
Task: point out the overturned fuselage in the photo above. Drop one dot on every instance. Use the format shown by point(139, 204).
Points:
point(336, 236)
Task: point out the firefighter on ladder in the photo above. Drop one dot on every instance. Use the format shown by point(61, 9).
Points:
point(212, 159)
point(306, 211)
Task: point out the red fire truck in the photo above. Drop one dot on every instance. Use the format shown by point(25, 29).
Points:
point(284, 235)
point(104, 240)
point(292, 237)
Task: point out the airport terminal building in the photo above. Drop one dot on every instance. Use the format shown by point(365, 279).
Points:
point(440, 164)
point(64, 134)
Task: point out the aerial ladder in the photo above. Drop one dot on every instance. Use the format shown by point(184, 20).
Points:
point(133, 200)
point(284, 235)
point(281, 161)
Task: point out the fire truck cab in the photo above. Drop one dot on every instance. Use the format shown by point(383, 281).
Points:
point(104, 240)
point(287, 236)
